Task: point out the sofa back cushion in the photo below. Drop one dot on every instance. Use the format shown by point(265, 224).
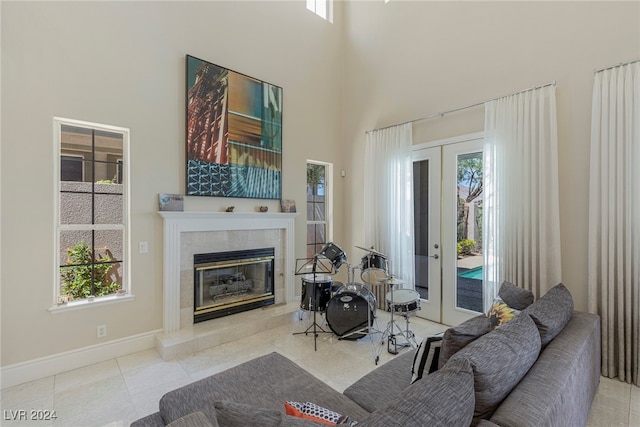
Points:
point(457, 337)
point(515, 296)
point(444, 398)
point(499, 360)
point(551, 312)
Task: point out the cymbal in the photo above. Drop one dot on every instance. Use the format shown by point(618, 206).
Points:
point(391, 280)
point(373, 251)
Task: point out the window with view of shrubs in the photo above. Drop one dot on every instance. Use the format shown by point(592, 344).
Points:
point(91, 210)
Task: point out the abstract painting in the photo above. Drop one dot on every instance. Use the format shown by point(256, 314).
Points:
point(234, 133)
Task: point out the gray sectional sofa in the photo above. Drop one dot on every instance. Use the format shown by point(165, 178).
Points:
point(540, 369)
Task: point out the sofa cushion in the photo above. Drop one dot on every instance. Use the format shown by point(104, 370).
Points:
point(236, 414)
point(551, 312)
point(242, 414)
point(444, 398)
point(457, 337)
point(515, 296)
point(499, 360)
point(194, 419)
point(426, 359)
point(373, 390)
point(266, 382)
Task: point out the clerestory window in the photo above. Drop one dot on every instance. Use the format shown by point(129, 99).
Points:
point(322, 8)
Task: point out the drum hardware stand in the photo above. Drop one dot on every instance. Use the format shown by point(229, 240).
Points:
point(317, 329)
point(392, 342)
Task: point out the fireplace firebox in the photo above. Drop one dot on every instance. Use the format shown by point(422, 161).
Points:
point(231, 282)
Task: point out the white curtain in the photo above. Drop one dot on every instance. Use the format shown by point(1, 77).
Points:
point(388, 198)
point(521, 231)
point(614, 218)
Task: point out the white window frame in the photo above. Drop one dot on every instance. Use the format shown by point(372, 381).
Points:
point(322, 8)
point(328, 198)
point(56, 307)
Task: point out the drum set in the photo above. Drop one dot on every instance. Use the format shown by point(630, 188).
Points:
point(350, 309)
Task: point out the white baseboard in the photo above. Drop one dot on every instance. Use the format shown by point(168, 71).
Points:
point(42, 367)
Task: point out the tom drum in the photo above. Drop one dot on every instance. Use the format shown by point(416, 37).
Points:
point(374, 268)
point(315, 295)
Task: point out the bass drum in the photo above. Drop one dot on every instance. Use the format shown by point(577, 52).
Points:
point(349, 309)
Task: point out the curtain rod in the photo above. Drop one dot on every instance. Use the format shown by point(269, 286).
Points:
point(615, 66)
point(453, 110)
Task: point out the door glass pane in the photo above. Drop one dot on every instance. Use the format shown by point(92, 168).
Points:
point(421, 226)
point(469, 232)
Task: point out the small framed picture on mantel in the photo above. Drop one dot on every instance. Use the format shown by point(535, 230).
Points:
point(288, 206)
point(171, 202)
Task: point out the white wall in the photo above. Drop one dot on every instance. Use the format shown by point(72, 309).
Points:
point(407, 59)
point(122, 63)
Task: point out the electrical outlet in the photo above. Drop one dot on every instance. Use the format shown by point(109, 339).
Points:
point(101, 331)
point(143, 247)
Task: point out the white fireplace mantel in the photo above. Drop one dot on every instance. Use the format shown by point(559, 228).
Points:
point(177, 223)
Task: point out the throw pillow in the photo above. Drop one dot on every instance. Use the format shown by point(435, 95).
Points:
point(457, 337)
point(500, 313)
point(499, 360)
point(311, 411)
point(551, 312)
point(444, 398)
point(515, 296)
point(426, 357)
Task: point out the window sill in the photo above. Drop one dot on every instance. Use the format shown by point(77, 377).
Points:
point(99, 301)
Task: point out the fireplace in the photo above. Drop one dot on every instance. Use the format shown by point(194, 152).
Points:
point(231, 282)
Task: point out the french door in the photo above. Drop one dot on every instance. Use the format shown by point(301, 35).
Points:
point(447, 190)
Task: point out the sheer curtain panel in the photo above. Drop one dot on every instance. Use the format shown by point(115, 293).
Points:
point(388, 198)
point(614, 218)
point(521, 231)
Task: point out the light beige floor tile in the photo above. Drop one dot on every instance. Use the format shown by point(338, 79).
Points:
point(27, 392)
point(138, 360)
point(147, 401)
point(103, 400)
point(613, 393)
point(148, 377)
point(85, 375)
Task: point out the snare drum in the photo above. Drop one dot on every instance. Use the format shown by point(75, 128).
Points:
point(349, 310)
point(374, 268)
point(404, 301)
point(315, 296)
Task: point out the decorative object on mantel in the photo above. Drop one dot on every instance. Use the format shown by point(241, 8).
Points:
point(171, 202)
point(234, 133)
point(288, 205)
point(264, 208)
point(230, 209)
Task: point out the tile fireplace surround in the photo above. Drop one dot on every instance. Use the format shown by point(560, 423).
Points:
point(188, 233)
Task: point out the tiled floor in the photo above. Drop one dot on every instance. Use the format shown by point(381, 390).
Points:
point(118, 391)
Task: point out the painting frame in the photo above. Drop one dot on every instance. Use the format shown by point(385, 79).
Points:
point(233, 133)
